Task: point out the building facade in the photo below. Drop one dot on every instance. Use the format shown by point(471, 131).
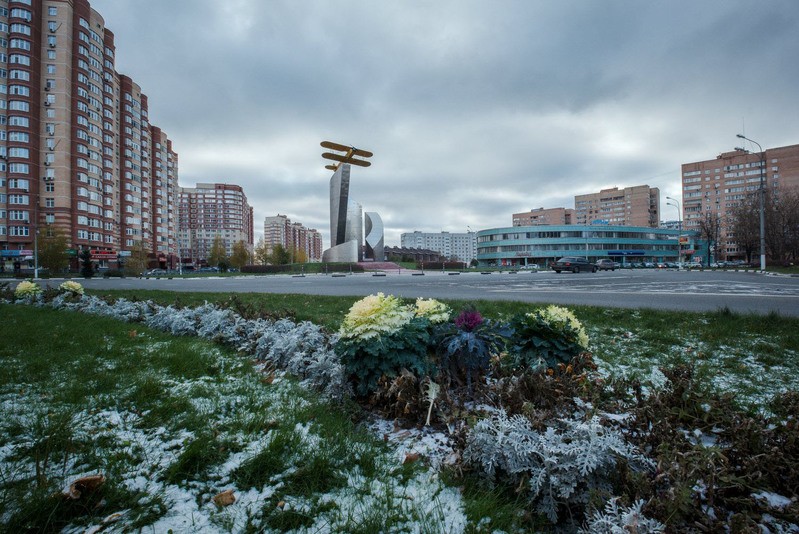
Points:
point(454, 246)
point(544, 216)
point(518, 246)
point(77, 150)
point(711, 188)
point(208, 211)
point(293, 236)
point(631, 206)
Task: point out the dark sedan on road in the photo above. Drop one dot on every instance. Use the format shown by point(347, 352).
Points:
point(573, 264)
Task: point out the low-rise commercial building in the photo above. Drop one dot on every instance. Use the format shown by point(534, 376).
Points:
point(523, 245)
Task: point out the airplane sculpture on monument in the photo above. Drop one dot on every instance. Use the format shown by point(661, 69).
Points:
point(346, 217)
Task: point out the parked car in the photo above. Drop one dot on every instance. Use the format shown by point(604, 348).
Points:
point(155, 272)
point(606, 265)
point(573, 264)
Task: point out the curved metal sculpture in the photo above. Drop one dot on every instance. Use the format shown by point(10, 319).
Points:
point(346, 216)
point(374, 236)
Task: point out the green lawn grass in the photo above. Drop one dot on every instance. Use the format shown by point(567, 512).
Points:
point(85, 394)
point(172, 421)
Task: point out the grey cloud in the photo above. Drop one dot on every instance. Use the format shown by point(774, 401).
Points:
point(474, 110)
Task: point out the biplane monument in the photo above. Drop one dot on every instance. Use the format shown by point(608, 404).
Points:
point(346, 215)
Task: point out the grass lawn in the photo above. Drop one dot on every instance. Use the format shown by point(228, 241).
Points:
point(172, 422)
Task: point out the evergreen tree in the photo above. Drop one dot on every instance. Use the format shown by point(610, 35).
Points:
point(86, 267)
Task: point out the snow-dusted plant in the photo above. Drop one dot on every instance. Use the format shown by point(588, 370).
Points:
point(433, 310)
point(617, 519)
point(380, 336)
point(71, 287)
point(179, 322)
point(220, 324)
point(546, 337)
point(27, 290)
point(374, 316)
point(561, 465)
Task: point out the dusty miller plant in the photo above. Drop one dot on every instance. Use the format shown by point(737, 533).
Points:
point(617, 519)
point(561, 466)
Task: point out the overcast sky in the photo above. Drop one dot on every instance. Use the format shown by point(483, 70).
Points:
point(474, 110)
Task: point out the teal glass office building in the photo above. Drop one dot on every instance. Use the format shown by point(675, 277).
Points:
point(518, 246)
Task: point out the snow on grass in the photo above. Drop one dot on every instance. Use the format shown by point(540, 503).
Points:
point(136, 457)
point(754, 370)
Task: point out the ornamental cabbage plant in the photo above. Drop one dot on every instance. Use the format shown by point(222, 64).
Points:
point(374, 316)
point(546, 337)
point(434, 311)
point(27, 290)
point(380, 336)
point(72, 288)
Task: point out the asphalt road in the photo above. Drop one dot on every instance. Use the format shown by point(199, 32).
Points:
point(661, 289)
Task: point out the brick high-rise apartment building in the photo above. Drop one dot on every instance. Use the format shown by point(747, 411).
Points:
point(712, 187)
point(77, 150)
point(632, 206)
point(279, 230)
point(210, 210)
point(544, 216)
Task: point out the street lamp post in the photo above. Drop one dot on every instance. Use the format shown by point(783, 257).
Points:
point(679, 231)
point(762, 202)
point(36, 239)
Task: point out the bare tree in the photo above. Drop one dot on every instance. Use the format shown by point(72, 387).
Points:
point(709, 232)
point(782, 225)
point(743, 222)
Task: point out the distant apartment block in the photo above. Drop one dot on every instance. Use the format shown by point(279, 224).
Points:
point(712, 187)
point(208, 211)
point(456, 246)
point(544, 216)
point(631, 206)
point(294, 237)
point(78, 153)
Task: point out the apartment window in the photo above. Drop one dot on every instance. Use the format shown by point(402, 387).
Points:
point(49, 203)
point(49, 187)
point(22, 44)
point(19, 59)
point(18, 231)
point(20, 90)
point(21, 28)
point(51, 55)
point(20, 75)
point(19, 105)
point(23, 14)
point(18, 121)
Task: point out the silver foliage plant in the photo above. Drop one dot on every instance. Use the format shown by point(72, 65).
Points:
point(303, 349)
point(562, 464)
point(617, 519)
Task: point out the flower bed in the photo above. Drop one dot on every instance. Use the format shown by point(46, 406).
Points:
point(529, 390)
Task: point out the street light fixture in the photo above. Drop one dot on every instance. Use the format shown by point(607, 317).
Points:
point(679, 231)
point(762, 202)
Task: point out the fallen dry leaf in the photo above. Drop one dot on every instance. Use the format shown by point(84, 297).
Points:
point(226, 498)
point(84, 485)
point(410, 457)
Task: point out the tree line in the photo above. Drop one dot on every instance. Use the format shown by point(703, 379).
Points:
point(742, 225)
